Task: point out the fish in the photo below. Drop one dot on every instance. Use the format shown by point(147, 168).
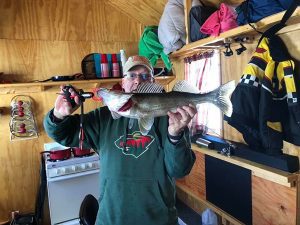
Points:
point(150, 101)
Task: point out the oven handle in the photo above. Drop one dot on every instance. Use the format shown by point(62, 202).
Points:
point(74, 175)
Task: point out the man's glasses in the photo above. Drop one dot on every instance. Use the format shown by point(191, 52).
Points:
point(142, 76)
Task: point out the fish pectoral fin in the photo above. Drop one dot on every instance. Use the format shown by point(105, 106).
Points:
point(115, 115)
point(145, 124)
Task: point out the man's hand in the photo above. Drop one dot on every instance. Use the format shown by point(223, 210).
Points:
point(178, 121)
point(64, 108)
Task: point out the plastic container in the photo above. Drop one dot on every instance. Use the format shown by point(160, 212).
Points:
point(123, 57)
point(115, 66)
point(104, 66)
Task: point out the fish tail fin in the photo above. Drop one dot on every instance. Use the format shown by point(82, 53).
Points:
point(222, 97)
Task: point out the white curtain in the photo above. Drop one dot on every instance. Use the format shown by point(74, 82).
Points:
point(203, 71)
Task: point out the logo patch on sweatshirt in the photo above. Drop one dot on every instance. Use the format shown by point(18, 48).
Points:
point(136, 144)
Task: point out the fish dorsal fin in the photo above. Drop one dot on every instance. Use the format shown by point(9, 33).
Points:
point(145, 124)
point(184, 86)
point(115, 115)
point(147, 87)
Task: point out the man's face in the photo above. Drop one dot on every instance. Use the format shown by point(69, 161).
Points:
point(134, 77)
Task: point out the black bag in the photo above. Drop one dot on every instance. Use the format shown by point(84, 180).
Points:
point(198, 15)
point(251, 11)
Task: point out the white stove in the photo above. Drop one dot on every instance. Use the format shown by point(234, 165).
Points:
point(68, 182)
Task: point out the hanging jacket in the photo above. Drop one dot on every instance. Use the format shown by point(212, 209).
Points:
point(265, 102)
point(151, 48)
point(171, 28)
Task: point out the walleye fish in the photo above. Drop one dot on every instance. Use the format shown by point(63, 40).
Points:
point(149, 101)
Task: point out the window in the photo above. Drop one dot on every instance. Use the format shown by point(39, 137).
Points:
point(203, 71)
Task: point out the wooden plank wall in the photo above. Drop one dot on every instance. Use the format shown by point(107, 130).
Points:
point(42, 38)
point(273, 203)
point(154, 8)
point(39, 39)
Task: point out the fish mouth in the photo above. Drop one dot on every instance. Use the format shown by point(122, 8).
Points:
point(102, 91)
point(102, 94)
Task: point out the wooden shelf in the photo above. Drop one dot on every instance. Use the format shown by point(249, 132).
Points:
point(266, 172)
point(241, 31)
point(18, 88)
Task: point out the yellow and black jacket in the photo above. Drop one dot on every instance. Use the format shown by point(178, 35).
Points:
point(265, 102)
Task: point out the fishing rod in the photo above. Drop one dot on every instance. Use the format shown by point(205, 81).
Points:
point(82, 97)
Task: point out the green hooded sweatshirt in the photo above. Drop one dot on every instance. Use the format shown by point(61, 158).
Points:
point(137, 172)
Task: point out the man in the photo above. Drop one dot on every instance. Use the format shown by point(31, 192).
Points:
point(137, 181)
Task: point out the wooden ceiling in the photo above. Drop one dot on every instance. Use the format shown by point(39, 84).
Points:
point(148, 12)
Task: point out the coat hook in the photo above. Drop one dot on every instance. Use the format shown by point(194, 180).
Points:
point(228, 52)
point(241, 49)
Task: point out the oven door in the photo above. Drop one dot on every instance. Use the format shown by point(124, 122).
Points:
point(65, 194)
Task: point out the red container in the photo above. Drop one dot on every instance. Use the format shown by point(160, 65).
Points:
point(115, 66)
point(78, 152)
point(59, 154)
point(104, 66)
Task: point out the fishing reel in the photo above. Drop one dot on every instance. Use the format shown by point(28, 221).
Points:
point(80, 93)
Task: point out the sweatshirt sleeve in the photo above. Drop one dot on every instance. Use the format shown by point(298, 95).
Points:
point(179, 157)
point(66, 132)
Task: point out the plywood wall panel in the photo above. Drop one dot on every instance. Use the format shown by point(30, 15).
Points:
point(147, 12)
point(28, 60)
point(90, 20)
point(273, 203)
point(232, 67)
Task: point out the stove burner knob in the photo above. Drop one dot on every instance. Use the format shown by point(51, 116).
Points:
point(83, 166)
point(61, 171)
point(96, 165)
point(77, 168)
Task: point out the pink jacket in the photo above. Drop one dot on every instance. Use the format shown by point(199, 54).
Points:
point(222, 20)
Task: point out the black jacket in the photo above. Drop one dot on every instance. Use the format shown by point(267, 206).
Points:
point(265, 102)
